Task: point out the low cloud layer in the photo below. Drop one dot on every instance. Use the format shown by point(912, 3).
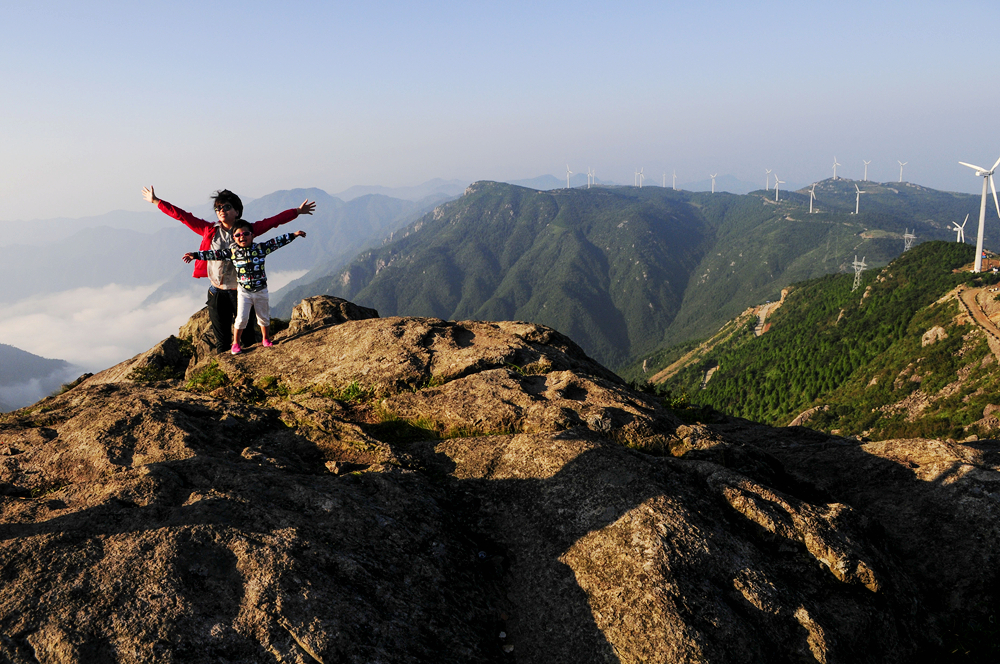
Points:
point(96, 328)
point(23, 394)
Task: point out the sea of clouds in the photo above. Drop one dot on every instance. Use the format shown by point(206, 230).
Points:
point(96, 328)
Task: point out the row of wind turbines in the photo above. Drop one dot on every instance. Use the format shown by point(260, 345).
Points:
point(836, 163)
point(985, 173)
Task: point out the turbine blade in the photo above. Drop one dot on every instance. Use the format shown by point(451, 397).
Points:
point(996, 164)
point(978, 168)
point(995, 202)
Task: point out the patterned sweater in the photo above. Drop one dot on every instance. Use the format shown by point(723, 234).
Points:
point(249, 261)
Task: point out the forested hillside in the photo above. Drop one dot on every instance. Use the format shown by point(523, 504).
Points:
point(622, 270)
point(860, 358)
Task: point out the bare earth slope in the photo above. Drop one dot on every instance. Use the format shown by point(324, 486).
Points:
point(413, 490)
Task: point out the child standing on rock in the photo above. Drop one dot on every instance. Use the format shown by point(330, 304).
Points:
point(248, 258)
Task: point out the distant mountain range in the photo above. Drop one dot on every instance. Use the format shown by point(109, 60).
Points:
point(624, 270)
point(432, 188)
point(138, 248)
point(25, 378)
point(727, 183)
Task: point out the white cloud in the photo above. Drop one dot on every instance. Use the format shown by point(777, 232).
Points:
point(276, 280)
point(96, 328)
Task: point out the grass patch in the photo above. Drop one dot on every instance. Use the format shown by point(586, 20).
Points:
point(533, 369)
point(435, 381)
point(69, 386)
point(151, 374)
point(273, 386)
point(208, 379)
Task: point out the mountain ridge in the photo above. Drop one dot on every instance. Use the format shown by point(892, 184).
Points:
point(570, 269)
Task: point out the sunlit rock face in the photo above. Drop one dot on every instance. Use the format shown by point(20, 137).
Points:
point(415, 490)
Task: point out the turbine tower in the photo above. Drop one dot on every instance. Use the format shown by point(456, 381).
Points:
point(664, 180)
point(776, 183)
point(901, 164)
point(866, 169)
point(908, 239)
point(590, 176)
point(857, 201)
point(568, 173)
point(859, 267)
point(713, 181)
point(675, 179)
point(767, 179)
point(986, 175)
point(960, 230)
point(835, 164)
point(812, 197)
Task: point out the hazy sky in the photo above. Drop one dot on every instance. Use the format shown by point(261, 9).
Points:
point(100, 98)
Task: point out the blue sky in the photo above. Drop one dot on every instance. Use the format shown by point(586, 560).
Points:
point(101, 98)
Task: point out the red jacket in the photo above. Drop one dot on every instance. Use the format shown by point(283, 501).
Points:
point(206, 229)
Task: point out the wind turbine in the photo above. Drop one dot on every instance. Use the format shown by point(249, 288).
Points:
point(776, 183)
point(713, 181)
point(812, 197)
point(866, 169)
point(767, 179)
point(641, 178)
point(835, 164)
point(857, 201)
point(901, 164)
point(664, 180)
point(986, 175)
point(568, 173)
point(675, 179)
point(589, 177)
point(960, 230)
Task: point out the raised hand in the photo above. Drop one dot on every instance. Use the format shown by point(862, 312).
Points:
point(149, 195)
point(299, 233)
point(307, 207)
point(188, 257)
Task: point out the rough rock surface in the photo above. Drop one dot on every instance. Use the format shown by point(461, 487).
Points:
point(409, 490)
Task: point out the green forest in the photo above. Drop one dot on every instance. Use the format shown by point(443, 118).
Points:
point(855, 353)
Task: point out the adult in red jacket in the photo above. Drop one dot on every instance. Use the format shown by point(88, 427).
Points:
point(222, 275)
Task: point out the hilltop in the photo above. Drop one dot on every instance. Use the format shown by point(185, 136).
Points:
point(414, 489)
point(626, 271)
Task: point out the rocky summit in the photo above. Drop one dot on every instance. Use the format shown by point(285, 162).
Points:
point(421, 490)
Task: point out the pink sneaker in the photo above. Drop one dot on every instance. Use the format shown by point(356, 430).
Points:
point(266, 343)
point(236, 350)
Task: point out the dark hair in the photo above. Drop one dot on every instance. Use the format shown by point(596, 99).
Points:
point(243, 224)
point(226, 196)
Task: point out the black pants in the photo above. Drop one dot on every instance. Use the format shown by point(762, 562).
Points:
point(222, 313)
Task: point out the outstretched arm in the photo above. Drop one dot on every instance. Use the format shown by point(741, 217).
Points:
point(199, 226)
point(276, 243)
point(208, 255)
point(264, 225)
